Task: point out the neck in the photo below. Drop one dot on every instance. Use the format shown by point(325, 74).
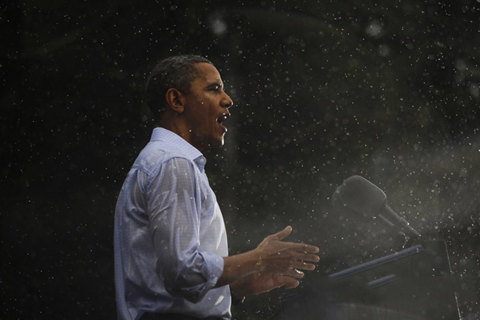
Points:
point(177, 126)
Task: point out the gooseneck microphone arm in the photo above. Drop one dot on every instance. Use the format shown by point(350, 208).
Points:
point(397, 220)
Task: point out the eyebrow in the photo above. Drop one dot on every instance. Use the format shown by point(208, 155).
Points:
point(214, 84)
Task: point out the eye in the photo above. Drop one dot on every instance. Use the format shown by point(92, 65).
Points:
point(216, 87)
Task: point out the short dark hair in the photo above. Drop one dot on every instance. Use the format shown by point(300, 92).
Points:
point(175, 72)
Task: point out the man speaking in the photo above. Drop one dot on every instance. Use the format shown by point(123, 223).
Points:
point(171, 256)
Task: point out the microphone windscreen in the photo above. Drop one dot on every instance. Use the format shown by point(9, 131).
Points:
point(357, 194)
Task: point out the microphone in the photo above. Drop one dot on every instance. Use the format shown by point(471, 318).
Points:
point(359, 196)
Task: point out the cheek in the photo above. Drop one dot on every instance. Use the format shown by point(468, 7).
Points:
point(211, 113)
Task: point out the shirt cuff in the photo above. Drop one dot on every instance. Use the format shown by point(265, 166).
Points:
point(213, 268)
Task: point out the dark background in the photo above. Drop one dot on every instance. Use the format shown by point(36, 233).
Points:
point(389, 90)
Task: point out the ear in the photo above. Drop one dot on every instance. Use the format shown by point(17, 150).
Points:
point(175, 100)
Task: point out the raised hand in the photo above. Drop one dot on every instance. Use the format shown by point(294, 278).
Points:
point(282, 260)
point(277, 256)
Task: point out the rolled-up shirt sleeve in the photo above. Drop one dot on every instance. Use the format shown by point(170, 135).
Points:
point(175, 196)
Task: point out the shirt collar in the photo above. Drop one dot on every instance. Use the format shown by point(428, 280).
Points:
point(186, 148)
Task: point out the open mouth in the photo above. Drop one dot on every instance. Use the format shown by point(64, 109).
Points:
point(223, 117)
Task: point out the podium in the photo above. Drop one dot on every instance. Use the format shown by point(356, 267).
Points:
point(411, 284)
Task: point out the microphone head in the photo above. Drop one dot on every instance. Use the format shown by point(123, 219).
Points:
point(357, 195)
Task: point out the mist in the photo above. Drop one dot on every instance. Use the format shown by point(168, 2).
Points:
point(322, 90)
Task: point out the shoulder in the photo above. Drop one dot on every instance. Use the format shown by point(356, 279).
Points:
point(156, 154)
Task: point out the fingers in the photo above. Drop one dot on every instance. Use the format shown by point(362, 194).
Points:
point(306, 257)
point(295, 273)
point(301, 260)
point(287, 265)
point(302, 247)
point(300, 265)
point(288, 281)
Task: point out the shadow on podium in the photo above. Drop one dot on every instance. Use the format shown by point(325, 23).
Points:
point(412, 284)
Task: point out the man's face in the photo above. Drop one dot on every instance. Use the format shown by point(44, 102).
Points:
point(206, 107)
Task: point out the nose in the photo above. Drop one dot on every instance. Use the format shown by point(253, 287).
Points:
point(227, 102)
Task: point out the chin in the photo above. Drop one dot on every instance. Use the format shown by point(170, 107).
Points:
point(212, 145)
point(218, 144)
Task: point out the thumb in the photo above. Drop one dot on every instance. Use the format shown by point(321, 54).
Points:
point(282, 234)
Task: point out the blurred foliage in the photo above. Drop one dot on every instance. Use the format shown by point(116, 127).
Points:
point(322, 89)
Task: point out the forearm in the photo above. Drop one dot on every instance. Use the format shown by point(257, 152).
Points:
point(238, 266)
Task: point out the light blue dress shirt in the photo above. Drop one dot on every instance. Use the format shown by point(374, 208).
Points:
point(169, 236)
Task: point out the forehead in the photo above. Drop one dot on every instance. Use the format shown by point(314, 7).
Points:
point(207, 73)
